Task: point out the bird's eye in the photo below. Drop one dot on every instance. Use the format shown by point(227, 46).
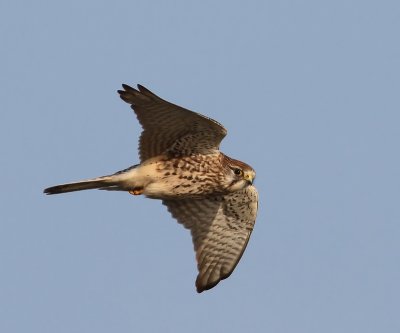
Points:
point(238, 171)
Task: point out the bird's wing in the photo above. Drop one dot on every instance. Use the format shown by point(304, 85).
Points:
point(171, 128)
point(221, 227)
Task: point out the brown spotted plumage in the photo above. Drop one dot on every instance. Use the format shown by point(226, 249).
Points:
point(208, 192)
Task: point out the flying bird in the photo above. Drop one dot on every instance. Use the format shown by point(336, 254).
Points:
point(181, 164)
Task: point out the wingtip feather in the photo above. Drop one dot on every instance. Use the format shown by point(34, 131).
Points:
point(127, 87)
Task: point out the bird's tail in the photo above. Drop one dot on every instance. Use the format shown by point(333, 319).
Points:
point(115, 182)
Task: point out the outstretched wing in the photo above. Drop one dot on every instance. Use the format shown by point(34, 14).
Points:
point(221, 227)
point(167, 126)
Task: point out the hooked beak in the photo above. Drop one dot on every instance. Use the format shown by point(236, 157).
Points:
point(249, 176)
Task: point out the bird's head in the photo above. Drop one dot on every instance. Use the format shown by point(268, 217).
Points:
point(239, 174)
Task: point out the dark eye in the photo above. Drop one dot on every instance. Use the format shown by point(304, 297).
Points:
point(238, 171)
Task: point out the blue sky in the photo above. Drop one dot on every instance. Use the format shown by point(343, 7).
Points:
point(309, 93)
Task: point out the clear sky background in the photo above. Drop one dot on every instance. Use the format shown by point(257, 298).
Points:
point(309, 93)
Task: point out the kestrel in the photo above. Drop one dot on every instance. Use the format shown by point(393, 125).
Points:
point(181, 164)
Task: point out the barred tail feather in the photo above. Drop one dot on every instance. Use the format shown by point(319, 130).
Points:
point(96, 183)
point(115, 182)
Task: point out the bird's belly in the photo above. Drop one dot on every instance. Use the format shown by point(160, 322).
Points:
point(175, 187)
point(164, 179)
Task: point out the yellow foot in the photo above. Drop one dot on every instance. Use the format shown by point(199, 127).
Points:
point(137, 191)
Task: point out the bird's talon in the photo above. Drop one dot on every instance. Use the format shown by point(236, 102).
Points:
point(136, 191)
